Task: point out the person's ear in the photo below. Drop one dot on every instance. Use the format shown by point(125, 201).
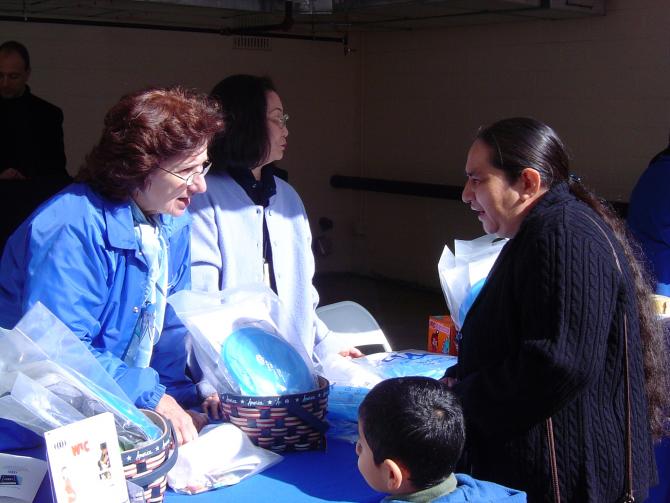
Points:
point(393, 475)
point(531, 183)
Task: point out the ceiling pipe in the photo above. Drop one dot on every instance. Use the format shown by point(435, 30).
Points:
point(512, 12)
point(109, 24)
point(285, 25)
point(255, 31)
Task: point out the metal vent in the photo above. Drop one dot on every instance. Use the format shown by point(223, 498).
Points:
point(252, 43)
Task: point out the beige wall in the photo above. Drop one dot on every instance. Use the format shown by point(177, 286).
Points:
point(603, 83)
point(403, 106)
point(84, 70)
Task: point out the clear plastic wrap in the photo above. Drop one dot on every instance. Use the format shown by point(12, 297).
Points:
point(33, 406)
point(46, 351)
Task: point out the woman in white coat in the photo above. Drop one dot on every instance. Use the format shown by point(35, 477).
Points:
point(251, 226)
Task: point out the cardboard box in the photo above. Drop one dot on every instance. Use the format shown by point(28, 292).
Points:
point(442, 335)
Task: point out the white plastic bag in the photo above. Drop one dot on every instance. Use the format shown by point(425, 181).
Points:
point(463, 273)
point(211, 317)
point(222, 455)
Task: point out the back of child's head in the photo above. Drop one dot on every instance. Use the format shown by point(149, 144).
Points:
point(416, 421)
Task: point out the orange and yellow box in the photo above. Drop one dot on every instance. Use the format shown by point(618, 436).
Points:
point(442, 335)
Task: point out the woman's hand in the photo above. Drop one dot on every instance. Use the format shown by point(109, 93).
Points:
point(182, 423)
point(200, 420)
point(351, 353)
point(211, 406)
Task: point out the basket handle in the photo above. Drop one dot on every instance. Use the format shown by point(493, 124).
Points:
point(316, 423)
point(145, 480)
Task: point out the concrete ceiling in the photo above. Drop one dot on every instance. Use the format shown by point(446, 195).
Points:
point(296, 18)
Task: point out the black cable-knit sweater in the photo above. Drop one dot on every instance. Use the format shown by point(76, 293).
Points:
point(544, 339)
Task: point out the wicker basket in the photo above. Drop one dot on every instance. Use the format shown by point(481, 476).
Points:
point(281, 423)
point(147, 465)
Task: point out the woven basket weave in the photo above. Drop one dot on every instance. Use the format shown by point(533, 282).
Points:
point(281, 423)
point(147, 465)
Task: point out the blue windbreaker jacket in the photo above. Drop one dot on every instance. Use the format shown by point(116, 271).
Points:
point(78, 255)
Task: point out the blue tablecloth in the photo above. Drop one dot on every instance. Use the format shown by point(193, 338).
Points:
point(312, 476)
point(330, 476)
point(302, 476)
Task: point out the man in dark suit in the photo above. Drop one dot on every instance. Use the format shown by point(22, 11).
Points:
point(31, 129)
point(32, 155)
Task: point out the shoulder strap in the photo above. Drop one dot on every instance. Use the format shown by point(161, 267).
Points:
point(628, 494)
point(552, 460)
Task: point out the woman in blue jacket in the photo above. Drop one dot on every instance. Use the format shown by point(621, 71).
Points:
point(104, 254)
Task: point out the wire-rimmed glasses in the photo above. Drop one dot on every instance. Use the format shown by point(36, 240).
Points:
point(281, 119)
point(191, 178)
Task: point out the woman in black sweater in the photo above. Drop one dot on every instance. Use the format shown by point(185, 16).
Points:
point(542, 357)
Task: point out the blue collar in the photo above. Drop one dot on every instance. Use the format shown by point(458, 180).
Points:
point(120, 226)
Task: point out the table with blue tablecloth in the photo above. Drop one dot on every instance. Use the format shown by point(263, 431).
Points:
point(330, 476)
point(312, 476)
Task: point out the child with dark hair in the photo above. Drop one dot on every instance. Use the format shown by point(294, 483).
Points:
point(411, 436)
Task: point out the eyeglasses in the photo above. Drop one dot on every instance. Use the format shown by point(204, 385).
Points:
point(191, 178)
point(281, 120)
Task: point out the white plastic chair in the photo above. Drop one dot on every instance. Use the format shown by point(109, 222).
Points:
point(354, 323)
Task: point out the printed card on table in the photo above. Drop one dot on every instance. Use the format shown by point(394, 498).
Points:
point(85, 462)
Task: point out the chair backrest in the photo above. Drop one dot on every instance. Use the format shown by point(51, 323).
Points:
point(353, 322)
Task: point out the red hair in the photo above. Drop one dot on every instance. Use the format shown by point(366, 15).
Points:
point(145, 129)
